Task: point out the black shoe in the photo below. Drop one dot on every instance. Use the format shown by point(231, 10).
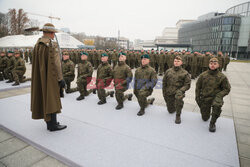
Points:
point(94, 91)
point(212, 127)
point(101, 102)
point(53, 125)
point(119, 106)
point(111, 93)
point(160, 74)
point(141, 112)
point(130, 96)
point(178, 119)
point(9, 81)
point(81, 97)
point(68, 91)
point(15, 84)
point(171, 112)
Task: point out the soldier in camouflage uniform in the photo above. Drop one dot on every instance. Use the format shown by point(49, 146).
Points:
point(194, 65)
point(3, 65)
point(10, 66)
point(84, 77)
point(205, 62)
point(227, 60)
point(161, 60)
point(145, 81)
point(211, 87)
point(30, 55)
point(220, 58)
point(104, 79)
point(176, 82)
point(122, 77)
point(19, 69)
point(26, 56)
point(68, 69)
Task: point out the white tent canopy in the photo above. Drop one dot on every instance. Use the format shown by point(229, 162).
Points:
point(28, 41)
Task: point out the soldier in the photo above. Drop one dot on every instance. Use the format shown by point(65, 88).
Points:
point(205, 62)
point(47, 79)
point(211, 87)
point(194, 65)
point(85, 71)
point(3, 65)
point(68, 68)
point(145, 81)
point(10, 66)
point(220, 58)
point(19, 69)
point(30, 56)
point(161, 61)
point(176, 82)
point(96, 59)
point(122, 77)
point(104, 79)
point(114, 58)
point(227, 60)
point(26, 56)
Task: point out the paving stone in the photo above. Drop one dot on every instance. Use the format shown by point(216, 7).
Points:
point(239, 121)
point(10, 146)
point(243, 129)
point(24, 158)
point(243, 138)
point(244, 150)
point(49, 161)
point(4, 135)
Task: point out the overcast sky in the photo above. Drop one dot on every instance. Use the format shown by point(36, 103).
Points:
point(143, 19)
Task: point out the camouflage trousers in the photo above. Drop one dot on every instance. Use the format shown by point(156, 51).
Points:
point(173, 104)
point(119, 95)
point(2, 74)
point(68, 81)
point(141, 96)
point(82, 86)
point(161, 71)
point(8, 74)
point(17, 75)
point(205, 109)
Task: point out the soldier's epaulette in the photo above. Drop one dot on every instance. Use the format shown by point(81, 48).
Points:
point(46, 41)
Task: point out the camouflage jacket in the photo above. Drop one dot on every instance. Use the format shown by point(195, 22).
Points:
point(175, 78)
point(68, 68)
point(11, 62)
point(3, 62)
point(104, 73)
point(145, 78)
point(19, 65)
point(122, 75)
point(211, 84)
point(85, 69)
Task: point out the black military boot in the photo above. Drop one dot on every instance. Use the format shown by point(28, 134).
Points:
point(15, 84)
point(53, 125)
point(119, 106)
point(94, 91)
point(130, 96)
point(178, 119)
point(111, 93)
point(212, 127)
point(81, 97)
point(141, 112)
point(160, 74)
point(9, 81)
point(102, 102)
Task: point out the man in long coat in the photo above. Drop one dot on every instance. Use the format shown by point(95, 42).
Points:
point(46, 79)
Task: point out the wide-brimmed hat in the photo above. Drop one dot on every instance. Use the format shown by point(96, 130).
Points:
point(48, 27)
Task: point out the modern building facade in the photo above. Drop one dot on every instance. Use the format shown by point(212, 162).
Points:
point(228, 32)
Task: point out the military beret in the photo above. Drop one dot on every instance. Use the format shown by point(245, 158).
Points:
point(213, 60)
point(104, 54)
point(145, 56)
point(84, 53)
point(178, 58)
point(65, 53)
point(122, 53)
point(10, 51)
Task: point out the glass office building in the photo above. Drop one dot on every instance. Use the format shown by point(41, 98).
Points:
point(228, 32)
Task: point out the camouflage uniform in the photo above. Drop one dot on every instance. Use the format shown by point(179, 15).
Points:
point(68, 68)
point(194, 65)
point(103, 80)
point(114, 58)
point(26, 56)
point(175, 82)
point(211, 87)
point(3, 66)
point(145, 81)
point(85, 71)
point(161, 60)
point(227, 60)
point(10, 66)
point(18, 71)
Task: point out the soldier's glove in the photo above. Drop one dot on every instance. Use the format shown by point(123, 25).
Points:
point(179, 95)
point(61, 83)
point(218, 101)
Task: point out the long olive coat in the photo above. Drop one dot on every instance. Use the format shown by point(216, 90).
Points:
point(46, 72)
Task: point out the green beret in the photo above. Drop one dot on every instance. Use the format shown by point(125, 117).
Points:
point(121, 53)
point(10, 51)
point(104, 54)
point(84, 53)
point(145, 56)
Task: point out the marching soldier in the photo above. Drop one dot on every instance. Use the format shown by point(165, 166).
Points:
point(104, 79)
point(68, 71)
point(3, 66)
point(84, 77)
point(19, 69)
point(145, 81)
point(227, 60)
point(176, 82)
point(211, 87)
point(161, 62)
point(10, 66)
point(122, 77)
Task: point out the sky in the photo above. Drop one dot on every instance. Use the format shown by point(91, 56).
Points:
point(136, 19)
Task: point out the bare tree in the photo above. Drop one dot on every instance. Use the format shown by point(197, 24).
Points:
point(4, 30)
